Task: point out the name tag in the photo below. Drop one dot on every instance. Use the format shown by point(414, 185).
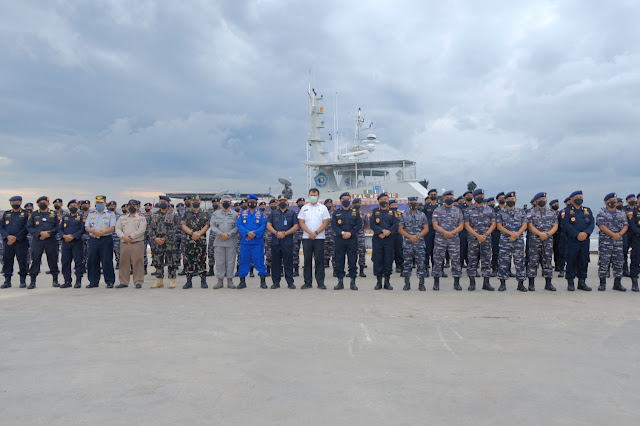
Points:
point(44, 219)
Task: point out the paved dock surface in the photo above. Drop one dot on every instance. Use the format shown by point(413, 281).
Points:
point(253, 356)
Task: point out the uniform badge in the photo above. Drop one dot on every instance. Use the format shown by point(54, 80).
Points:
point(258, 221)
point(65, 225)
point(339, 221)
point(378, 220)
point(573, 219)
point(244, 221)
point(586, 212)
point(562, 214)
point(37, 223)
point(6, 222)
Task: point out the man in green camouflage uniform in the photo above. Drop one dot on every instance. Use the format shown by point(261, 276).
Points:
point(195, 224)
point(163, 228)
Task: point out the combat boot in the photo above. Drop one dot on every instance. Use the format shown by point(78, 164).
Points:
point(603, 284)
point(421, 286)
point(362, 274)
point(55, 282)
point(570, 285)
point(582, 285)
point(387, 284)
point(210, 273)
point(219, 284)
point(561, 274)
point(296, 272)
point(378, 283)
point(426, 272)
point(189, 283)
point(617, 285)
point(32, 284)
point(251, 274)
point(436, 283)
point(263, 282)
point(634, 284)
point(548, 285)
point(340, 284)
point(7, 282)
point(268, 271)
point(78, 282)
point(494, 271)
point(456, 284)
point(503, 285)
point(275, 286)
point(521, 286)
point(65, 284)
point(472, 284)
point(23, 282)
point(159, 283)
point(230, 283)
point(203, 281)
point(532, 284)
point(407, 283)
point(172, 283)
point(625, 270)
point(353, 285)
point(486, 285)
point(182, 273)
point(243, 283)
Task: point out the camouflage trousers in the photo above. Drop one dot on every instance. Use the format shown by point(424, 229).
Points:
point(441, 247)
point(296, 250)
point(540, 253)
point(179, 249)
point(195, 256)
point(479, 253)
point(165, 255)
point(267, 248)
point(116, 250)
point(329, 252)
point(147, 243)
point(362, 249)
point(508, 250)
point(85, 252)
point(414, 253)
point(211, 251)
point(610, 253)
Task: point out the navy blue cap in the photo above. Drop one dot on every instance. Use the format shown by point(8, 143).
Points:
point(393, 201)
point(610, 195)
point(460, 198)
point(446, 193)
point(384, 194)
point(188, 197)
point(432, 190)
point(467, 192)
point(43, 198)
point(538, 195)
point(500, 194)
point(553, 201)
point(262, 203)
point(15, 198)
point(251, 197)
point(574, 193)
point(619, 199)
point(478, 192)
point(345, 194)
point(165, 198)
point(510, 194)
point(29, 205)
point(273, 200)
point(413, 199)
point(566, 200)
point(145, 204)
point(357, 200)
point(109, 203)
point(215, 199)
point(488, 200)
point(328, 200)
point(630, 196)
point(180, 205)
point(58, 200)
point(300, 199)
point(73, 201)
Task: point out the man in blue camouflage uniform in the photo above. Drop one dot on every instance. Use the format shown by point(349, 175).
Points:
point(634, 229)
point(13, 232)
point(628, 237)
point(297, 241)
point(495, 235)
point(287, 192)
point(384, 225)
point(112, 206)
point(362, 247)
point(512, 222)
point(330, 240)
point(215, 205)
point(579, 223)
point(147, 239)
point(543, 226)
point(413, 227)
point(613, 226)
point(480, 221)
point(430, 205)
point(448, 222)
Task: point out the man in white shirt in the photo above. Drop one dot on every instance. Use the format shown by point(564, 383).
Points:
point(313, 219)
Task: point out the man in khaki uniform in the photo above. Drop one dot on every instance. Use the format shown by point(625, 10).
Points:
point(131, 228)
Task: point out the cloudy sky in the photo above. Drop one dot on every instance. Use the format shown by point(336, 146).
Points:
point(132, 99)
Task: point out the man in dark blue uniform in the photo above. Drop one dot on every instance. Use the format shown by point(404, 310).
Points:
point(578, 223)
point(346, 222)
point(282, 224)
point(628, 237)
point(43, 227)
point(72, 229)
point(398, 255)
point(13, 231)
point(384, 225)
point(634, 229)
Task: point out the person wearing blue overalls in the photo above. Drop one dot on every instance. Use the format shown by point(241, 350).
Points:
point(251, 226)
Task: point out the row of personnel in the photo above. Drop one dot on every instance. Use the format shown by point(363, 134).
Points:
point(243, 233)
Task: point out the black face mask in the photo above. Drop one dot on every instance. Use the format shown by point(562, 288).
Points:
point(384, 203)
point(469, 198)
point(187, 204)
point(542, 203)
point(163, 205)
point(631, 203)
point(263, 208)
point(132, 209)
point(85, 208)
point(619, 207)
point(433, 197)
point(147, 209)
point(448, 201)
point(252, 205)
point(226, 205)
point(578, 201)
point(300, 206)
point(124, 210)
point(500, 201)
point(113, 209)
point(345, 203)
point(237, 209)
point(413, 206)
point(283, 205)
point(43, 206)
point(479, 200)
point(216, 206)
point(554, 207)
point(195, 205)
point(511, 203)
point(243, 206)
point(15, 206)
point(73, 210)
point(57, 206)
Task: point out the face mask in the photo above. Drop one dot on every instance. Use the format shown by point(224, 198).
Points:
point(252, 205)
point(433, 197)
point(283, 205)
point(578, 201)
point(632, 203)
point(237, 209)
point(195, 205)
point(73, 210)
point(313, 199)
point(243, 206)
point(468, 198)
point(542, 203)
point(132, 209)
point(163, 205)
point(611, 204)
point(263, 208)
point(356, 206)
point(448, 201)
point(413, 206)
point(99, 206)
point(42, 206)
point(554, 207)
point(57, 206)
point(346, 203)
point(384, 203)
point(619, 207)
point(300, 206)
point(216, 206)
point(329, 207)
point(187, 204)
point(479, 200)
point(226, 205)
point(147, 209)
point(501, 201)
point(112, 209)
point(15, 206)
point(85, 208)
point(511, 203)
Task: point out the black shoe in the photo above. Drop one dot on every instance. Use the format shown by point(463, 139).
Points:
point(138, 285)
point(292, 286)
point(110, 285)
point(340, 284)
point(55, 282)
point(436, 283)
point(561, 274)
point(65, 285)
point(78, 281)
point(210, 273)
point(275, 286)
point(182, 273)
point(122, 286)
point(548, 285)
point(421, 286)
point(243, 283)
point(582, 285)
point(32, 285)
point(353, 285)
point(532, 284)
point(387, 284)
point(603, 284)
point(322, 286)
point(189, 283)
point(378, 283)
point(23, 282)
point(145, 270)
point(521, 287)
point(362, 274)
point(617, 285)
point(296, 272)
point(634, 285)
point(444, 275)
point(486, 285)
point(263, 282)
point(7, 282)
point(203, 281)
point(306, 286)
point(407, 284)
point(503, 285)
point(570, 285)
point(472, 284)
point(456, 284)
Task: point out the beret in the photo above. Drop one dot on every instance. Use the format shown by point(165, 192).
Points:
point(467, 192)
point(328, 200)
point(300, 199)
point(58, 200)
point(393, 200)
point(478, 192)
point(124, 205)
point(500, 194)
point(215, 199)
point(136, 203)
point(489, 199)
point(345, 194)
point(413, 199)
point(145, 204)
point(165, 198)
point(15, 198)
point(538, 195)
point(630, 196)
point(180, 205)
point(510, 194)
point(101, 199)
point(237, 203)
point(567, 199)
point(553, 201)
point(110, 202)
point(195, 197)
point(357, 200)
point(251, 197)
point(43, 198)
point(29, 205)
point(610, 195)
point(574, 193)
point(188, 197)
point(619, 199)
point(460, 198)
point(262, 203)
point(72, 201)
point(432, 190)
point(384, 194)
point(446, 193)
point(273, 200)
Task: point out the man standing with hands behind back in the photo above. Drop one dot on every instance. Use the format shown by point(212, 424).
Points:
point(313, 218)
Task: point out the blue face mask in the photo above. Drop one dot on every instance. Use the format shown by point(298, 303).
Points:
point(99, 206)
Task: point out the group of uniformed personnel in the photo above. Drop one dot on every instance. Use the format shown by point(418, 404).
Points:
point(471, 231)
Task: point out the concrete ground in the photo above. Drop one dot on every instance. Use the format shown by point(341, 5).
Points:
point(155, 357)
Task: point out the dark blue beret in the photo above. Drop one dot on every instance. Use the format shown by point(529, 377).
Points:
point(619, 199)
point(446, 193)
point(567, 199)
point(58, 200)
point(630, 196)
point(393, 201)
point(15, 198)
point(478, 192)
point(357, 200)
point(610, 195)
point(467, 192)
point(510, 194)
point(262, 203)
point(553, 201)
point(327, 201)
point(300, 199)
point(384, 194)
point(432, 190)
point(413, 199)
point(574, 193)
point(43, 198)
point(538, 195)
point(273, 200)
point(215, 199)
point(73, 201)
point(500, 194)
point(489, 199)
point(29, 205)
point(180, 205)
point(345, 194)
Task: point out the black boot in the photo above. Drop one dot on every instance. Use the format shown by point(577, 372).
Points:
point(532, 284)
point(7, 282)
point(456, 284)
point(634, 284)
point(494, 271)
point(625, 270)
point(55, 282)
point(145, 270)
point(378, 283)
point(472, 283)
point(268, 271)
point(353, 285)
point(243, 283)
point(426, 272)
point(486, 285)
point(511, 274)
point(340, 284)
point(188, 284)
point(582, 285)
point(78, 282)
point(387, 284)
point(548, 285)
point(362, 274)
point(521, 286)
point(263, 282)
point(251, 274)
point(182, 273)
point(203, 281)
point(210, 273)
point(407, 283)
point(32, 284)
point(436, 283)
point(570, 285)
point(23, 282)
point(617, 285)
point(561, 274)
point(296, 271)
point(503, 285)
point(421, 286)
point(275, 286)
point(603, 284)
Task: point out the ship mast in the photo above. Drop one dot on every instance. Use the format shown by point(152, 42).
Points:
point(314, 141)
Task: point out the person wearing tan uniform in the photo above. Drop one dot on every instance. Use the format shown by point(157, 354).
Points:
point(131, 228)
